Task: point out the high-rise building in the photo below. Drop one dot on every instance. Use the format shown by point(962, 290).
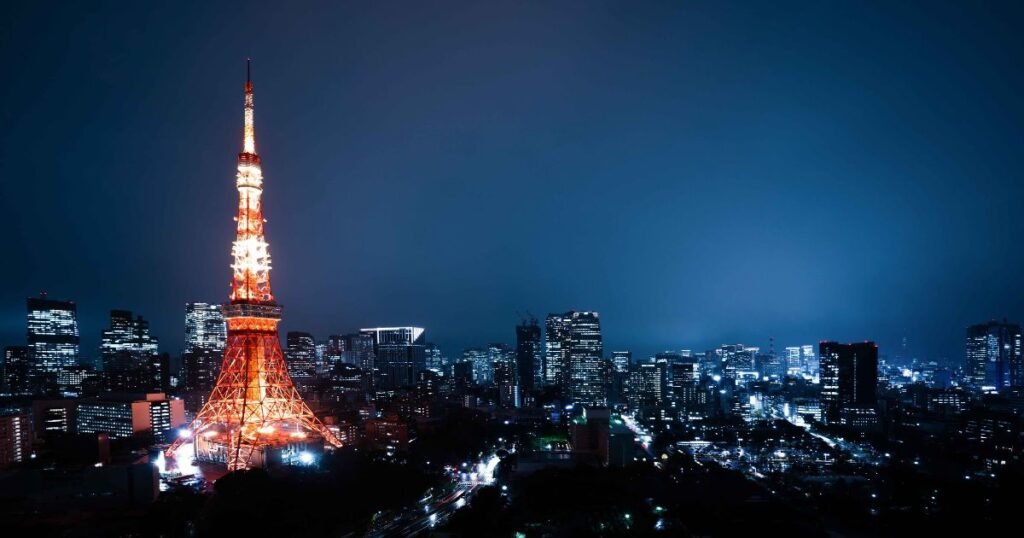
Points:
point(497, 352)
point(645, 387)
point(528, 354)
point(556, 349)
point(16, 370)
point(480, 361)
point(334, 351)
point(505, 381)
point(810, 362)
point(793, 363)
point(849, 380)
point(462, 376)
point(204, 327)
point(205, 339)
point(129, 355)
point(300, 355)
point(994, 355)
point(738, 362)
point(587, 382)
point(770, 366)
point(52, 338)
point(573, 354)
point(434, 359)
point(399, 355)
point(622, 360)
point(15, 438)
point(359, 352)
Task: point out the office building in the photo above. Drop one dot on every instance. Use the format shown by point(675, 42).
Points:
point(588, 384)
point(204, 327)
point(359, 352)
point(993, 357)
point(53, 340)
point(505, 381)
point(556, 348)
point(498, 352)
point(435, 360)
point(334, 350)
point(300, 355)
point(645, 387)
point(528, 354)
point(573, 357)
point(16, 370)
point(482, 368)
point(205, 340)
point(53, 417)
point(399, 354)
point(122, 416)
point(622, 360)
point(15, 438)
point(849, 381)
point(129, 355)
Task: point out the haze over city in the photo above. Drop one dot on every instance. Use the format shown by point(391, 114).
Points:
point(698, 173)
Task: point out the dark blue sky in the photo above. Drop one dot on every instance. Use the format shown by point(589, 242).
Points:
point(698, 172)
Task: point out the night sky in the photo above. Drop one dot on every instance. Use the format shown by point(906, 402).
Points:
point(697, 172)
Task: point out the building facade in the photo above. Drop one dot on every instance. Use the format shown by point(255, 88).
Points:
point(993, 357)
point(849, 380)
point(129, 355)
point(122, 416)
point(528, 354)
point(399, 355)
point(53, 340)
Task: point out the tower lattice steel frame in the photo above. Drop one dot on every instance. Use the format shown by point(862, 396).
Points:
point(254, 403)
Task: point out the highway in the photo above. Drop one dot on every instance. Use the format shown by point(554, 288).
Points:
point(429, 515)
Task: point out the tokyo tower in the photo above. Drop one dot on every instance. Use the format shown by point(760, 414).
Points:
point(254, 414)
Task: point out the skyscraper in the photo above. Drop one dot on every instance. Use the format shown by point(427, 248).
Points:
point(505, 381)
point(793, 363)
point(587, 382)
point(645, 387)
point(129, 355)
point(480, 362)
point(359, 352)
point(849, 380)
point(573, 355)
point(497, 352)
point(528, 359)
point(16, 370)
point(300, 355)
point(994, 355)
point(205, 338)
point(399, 355)
point(435, 360)
point(52, 336)
point(622, 360)
point(556, 348)
point(204, 327)
point(334, 351)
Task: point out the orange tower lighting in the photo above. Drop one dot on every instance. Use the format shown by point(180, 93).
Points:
point(254, 404)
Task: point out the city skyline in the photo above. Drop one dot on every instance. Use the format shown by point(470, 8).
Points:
point(539, 270)
point(834, 209)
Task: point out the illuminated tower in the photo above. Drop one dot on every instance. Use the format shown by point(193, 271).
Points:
point(254, 407)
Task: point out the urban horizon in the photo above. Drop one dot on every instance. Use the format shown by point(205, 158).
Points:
point(736, 228)
point(641, 351)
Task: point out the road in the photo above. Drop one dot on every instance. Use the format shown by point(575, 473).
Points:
point(431, 514)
